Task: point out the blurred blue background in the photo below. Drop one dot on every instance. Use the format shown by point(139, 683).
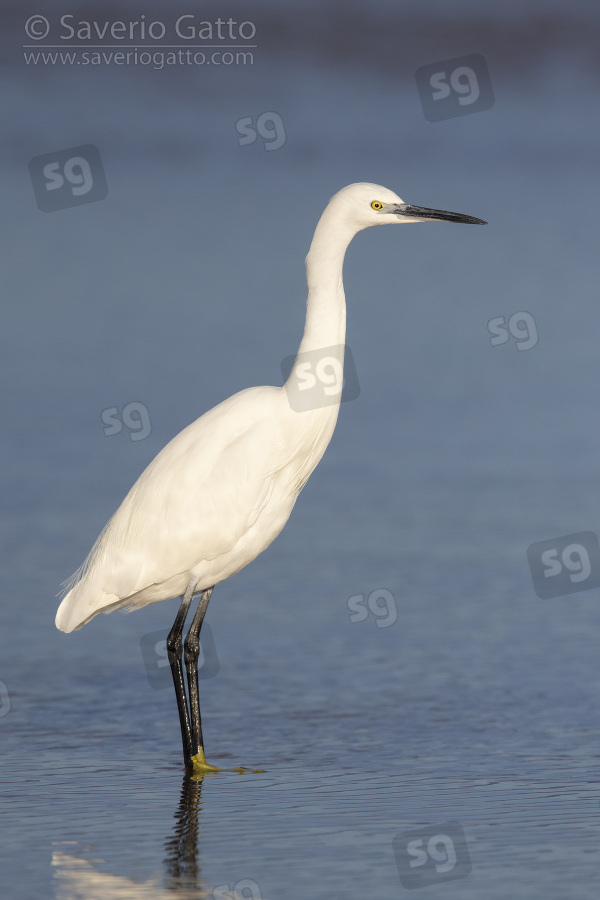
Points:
point(479, 703)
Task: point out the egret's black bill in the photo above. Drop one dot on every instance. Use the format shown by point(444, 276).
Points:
point(421, 212)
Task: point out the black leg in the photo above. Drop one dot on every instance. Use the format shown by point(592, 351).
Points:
point(191, 726)
point(190, 655)
point(174, 647)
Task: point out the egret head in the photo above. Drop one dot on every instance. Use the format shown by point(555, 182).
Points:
point(372, 204)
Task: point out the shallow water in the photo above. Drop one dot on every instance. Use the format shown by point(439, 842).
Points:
point(387, 661)
point(283, 834)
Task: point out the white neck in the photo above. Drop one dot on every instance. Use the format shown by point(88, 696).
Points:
point(326, 304)
point(325, 327)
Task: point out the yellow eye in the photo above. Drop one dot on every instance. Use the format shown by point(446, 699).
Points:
point(376, 204)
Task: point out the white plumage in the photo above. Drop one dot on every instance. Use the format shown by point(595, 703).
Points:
point(220, 492)
point(210, 502)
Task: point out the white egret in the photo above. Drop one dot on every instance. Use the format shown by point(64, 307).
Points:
point(221, 491)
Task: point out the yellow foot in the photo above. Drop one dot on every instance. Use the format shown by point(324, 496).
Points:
point(200, 766)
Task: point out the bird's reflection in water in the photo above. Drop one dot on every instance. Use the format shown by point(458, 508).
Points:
point(76, 878)
point(182, 866)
